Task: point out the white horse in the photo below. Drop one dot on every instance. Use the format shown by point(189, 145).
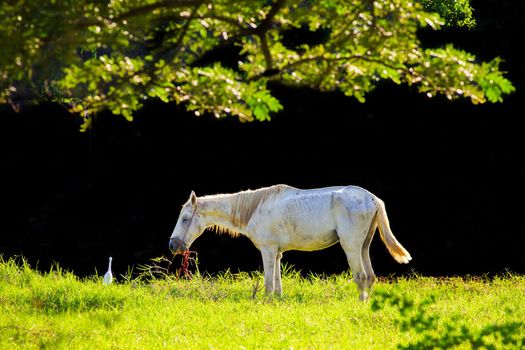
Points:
point(281, 218)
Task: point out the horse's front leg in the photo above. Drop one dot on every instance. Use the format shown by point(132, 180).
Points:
point(277, 276)
point(269, 256)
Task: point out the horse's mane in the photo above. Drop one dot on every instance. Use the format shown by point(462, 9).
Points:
point(224, 230)
point(243, 206)
point(246, 202)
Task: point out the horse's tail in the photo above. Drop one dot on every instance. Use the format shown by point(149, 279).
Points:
point(395, 248)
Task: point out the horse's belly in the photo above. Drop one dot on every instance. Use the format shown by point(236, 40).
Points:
point(311, 232)
point(310, 240)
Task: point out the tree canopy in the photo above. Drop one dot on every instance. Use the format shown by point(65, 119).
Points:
point(117, 55)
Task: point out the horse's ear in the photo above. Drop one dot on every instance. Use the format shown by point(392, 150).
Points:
point(193, 198)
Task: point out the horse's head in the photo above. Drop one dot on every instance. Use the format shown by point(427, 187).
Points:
point(188, 226)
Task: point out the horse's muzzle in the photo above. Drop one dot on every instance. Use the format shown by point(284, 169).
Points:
point(177, 246)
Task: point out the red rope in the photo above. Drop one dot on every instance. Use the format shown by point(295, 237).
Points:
point(183, 270)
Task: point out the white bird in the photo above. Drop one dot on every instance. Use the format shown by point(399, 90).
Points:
point(108, 277)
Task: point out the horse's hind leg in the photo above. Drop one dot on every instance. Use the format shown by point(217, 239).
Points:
point(353, 255)
point(352, 229)
point(365, 256)
point(352, 242)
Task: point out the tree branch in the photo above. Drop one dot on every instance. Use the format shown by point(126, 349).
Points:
point(158, 5)
point(405, 70)
point(223, 19)
point(183, 32)
point(266, 51)
point(266, 22)
point(261, 30)
point(138, 11)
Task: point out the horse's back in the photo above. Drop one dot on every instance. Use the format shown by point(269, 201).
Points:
point(350, 191)
point(291, 203)
point(319, 207)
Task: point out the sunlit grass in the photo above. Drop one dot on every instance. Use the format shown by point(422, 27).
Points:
point(58, 310)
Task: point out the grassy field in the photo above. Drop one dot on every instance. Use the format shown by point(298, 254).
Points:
point(57, 310)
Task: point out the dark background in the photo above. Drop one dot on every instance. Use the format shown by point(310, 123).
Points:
point(450, 173)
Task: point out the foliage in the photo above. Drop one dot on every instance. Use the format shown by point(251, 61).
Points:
point(457, 13)
point(116, 55)
point(453, 333)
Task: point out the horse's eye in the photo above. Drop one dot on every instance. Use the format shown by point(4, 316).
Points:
point(185, 219)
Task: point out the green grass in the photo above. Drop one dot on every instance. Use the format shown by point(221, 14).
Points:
point(57, 310)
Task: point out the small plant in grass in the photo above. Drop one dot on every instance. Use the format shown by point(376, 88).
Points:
point(435, 333)
point(162, 268)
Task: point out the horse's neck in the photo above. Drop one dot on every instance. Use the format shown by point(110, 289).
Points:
point(216, 211)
